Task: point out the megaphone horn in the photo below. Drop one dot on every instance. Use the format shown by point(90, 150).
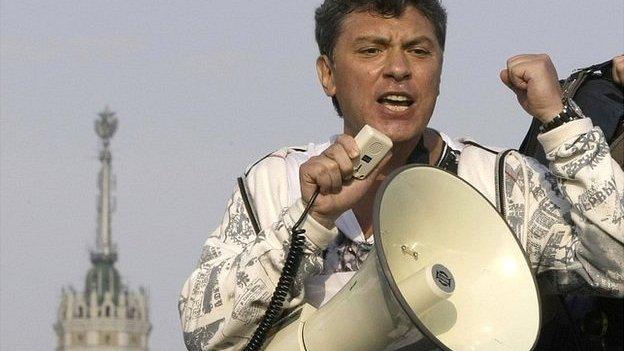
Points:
point(446, 273)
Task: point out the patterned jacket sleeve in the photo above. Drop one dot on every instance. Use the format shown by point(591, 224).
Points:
point(571, 217)
point(225, 297)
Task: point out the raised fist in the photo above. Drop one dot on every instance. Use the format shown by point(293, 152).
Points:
point(533, 79)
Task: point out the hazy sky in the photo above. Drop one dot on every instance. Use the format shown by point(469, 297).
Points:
point(201, 89)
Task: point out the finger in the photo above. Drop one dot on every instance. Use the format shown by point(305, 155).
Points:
point(335, 178)
point(504, 75)
point(323, 179)
point(329, 175)
point(350, 146)
point(313, 176)
point(519, 63)
point(338, 154)
point(308, 184)
point(516, 74)
point(517, 59)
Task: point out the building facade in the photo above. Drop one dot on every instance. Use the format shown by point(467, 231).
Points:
point(106, 315)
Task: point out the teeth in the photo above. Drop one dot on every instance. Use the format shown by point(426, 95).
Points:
point(397, 108)
point(396, 98)
point(396, 103)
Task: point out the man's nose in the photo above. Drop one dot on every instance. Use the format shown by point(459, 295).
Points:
point(397, 66)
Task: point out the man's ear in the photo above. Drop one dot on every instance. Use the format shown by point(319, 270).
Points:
point(325, 74)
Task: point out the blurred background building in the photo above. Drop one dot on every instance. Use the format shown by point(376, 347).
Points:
point(106, 316)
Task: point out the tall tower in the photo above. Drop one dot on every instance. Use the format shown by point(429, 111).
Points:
point(106, 316)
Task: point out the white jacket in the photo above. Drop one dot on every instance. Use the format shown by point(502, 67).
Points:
point(570, 221)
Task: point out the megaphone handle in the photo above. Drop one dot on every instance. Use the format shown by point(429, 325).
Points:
point(285, 283)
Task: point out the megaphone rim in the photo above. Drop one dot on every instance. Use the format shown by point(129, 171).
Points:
point(383, 263)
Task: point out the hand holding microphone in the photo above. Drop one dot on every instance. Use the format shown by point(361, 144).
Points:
point(331, 173)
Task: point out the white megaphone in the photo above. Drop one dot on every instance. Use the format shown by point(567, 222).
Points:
point(446, 273)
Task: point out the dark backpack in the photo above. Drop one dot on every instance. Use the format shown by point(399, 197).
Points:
point(578, 323)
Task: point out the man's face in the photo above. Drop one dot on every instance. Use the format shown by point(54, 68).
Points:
point(385, 73)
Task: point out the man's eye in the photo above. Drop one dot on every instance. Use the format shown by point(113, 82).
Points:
point(419, 51)
point(370, 51)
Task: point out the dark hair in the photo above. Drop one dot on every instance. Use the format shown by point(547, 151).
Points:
point(330, 15)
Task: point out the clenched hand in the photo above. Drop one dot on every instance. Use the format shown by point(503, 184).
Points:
point(533, 79)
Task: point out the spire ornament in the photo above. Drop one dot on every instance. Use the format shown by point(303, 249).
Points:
point(106, 126)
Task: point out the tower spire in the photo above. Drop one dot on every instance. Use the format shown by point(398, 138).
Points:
point(105, 128)
point(107, 315)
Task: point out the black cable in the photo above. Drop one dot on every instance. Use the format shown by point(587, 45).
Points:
point(285, 283)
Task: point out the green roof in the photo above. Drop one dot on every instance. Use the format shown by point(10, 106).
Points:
point(103, 277)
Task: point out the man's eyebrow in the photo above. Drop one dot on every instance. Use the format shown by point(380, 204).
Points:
point(419, 40)
point(371, 39)
point(384, 41)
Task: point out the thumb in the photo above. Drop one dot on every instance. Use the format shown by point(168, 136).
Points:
point(504, 76)
point(507, 78)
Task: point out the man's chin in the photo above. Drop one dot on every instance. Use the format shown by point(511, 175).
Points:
point(402, 135)
point(398, 132)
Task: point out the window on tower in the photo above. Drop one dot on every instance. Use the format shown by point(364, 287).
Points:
point(135, 340)
point(108, 338)
point(80, 339)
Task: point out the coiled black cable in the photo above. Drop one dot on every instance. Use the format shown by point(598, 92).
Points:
point(285, 283)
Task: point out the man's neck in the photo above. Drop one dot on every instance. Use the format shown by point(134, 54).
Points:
point(401, 152)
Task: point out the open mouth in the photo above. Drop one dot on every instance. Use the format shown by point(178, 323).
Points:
point(396, 101)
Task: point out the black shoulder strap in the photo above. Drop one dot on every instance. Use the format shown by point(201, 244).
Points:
point(246, 200)
point(242, 187)
point(255, 163)
point(472, 143)
point(448, 159)
point(500, 182)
